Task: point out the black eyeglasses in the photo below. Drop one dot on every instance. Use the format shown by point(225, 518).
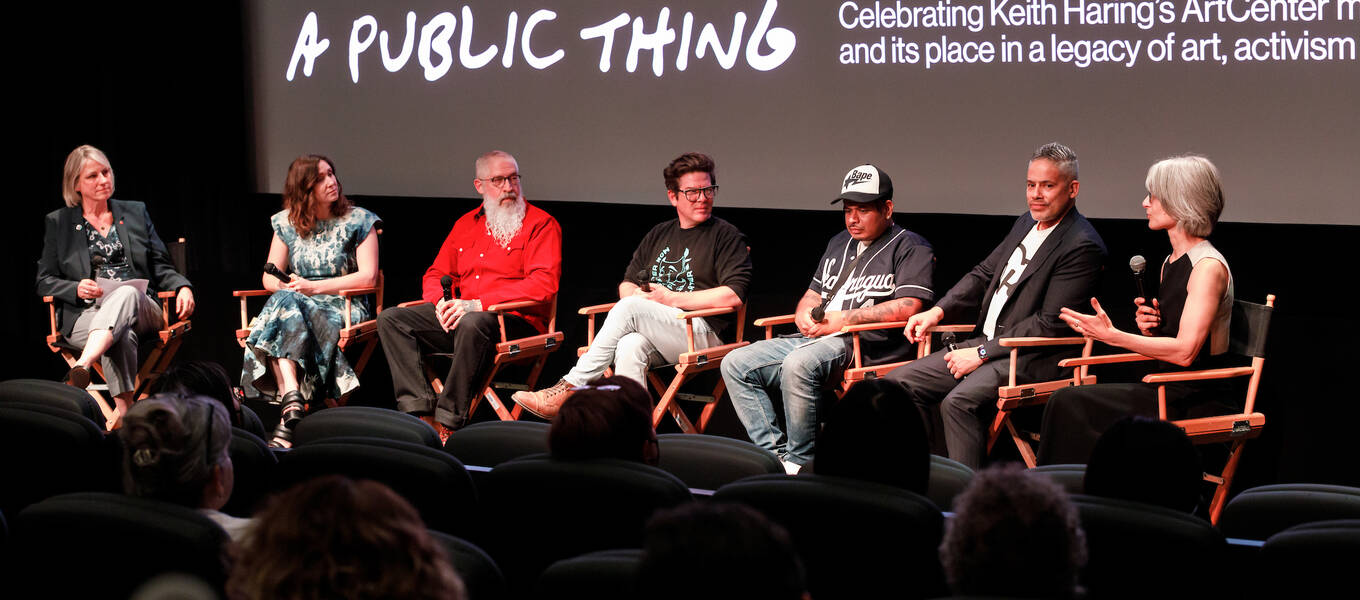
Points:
point(694, 195)
point(498, 181)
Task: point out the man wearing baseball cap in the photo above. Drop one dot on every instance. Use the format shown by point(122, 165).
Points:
point(872, 271)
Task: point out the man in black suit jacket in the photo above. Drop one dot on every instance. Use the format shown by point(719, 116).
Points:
point(1051, 258)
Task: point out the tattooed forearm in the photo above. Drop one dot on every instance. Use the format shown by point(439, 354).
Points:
point(900, 309)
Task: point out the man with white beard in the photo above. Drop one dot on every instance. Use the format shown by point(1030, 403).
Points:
point(507, 250)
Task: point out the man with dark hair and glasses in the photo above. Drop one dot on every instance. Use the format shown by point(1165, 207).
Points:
point(692, 262)
point(871, 271)
point(506, 250)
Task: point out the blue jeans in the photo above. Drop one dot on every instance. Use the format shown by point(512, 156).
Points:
point(801, 367)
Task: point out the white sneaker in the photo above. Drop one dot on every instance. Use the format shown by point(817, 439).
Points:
point(791, 468)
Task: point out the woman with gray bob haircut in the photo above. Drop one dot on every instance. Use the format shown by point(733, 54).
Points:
point(175, 449)
point(1186, 325)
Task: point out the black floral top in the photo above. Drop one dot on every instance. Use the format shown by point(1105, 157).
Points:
point(115, 264)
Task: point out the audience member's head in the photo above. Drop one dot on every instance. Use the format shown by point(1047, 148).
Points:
point(333, 537)
point(200, 378)
point(175, 449)
point(1013, 534)
point(718, 550)
point(875, 434)
point(609, 418)
point(1146, 460)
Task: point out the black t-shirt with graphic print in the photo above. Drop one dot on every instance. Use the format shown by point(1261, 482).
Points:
point(900, 264)
point(711, 254)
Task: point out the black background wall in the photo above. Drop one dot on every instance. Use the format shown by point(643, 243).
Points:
point(167, 101)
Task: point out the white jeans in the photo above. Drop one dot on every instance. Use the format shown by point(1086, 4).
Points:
point(636, 333)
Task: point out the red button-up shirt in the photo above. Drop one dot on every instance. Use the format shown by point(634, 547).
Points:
point(526, 270)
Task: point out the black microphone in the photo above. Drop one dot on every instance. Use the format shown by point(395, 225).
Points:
point(949, 340)
point(271, 269)
point(446, 282)
point(1138, 264)
point(818, 313)
point(96, 261)
point(644, 280)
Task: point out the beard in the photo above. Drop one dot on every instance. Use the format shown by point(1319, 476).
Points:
point(503, 220)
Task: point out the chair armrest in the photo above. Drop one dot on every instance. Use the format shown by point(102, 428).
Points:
point(1035, 342)
point(950, 329)
point(250, 293)
point(872, 326)
point(772, 321)
point(1225, 373)
point(411, 303)
point(596, 309)
point(706, 312)
point(166, 294)
point(516, 305)
point(1107, 359)
point(352, 292)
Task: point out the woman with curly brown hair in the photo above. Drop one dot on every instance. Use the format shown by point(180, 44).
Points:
point(326, 244)
point(333, 537)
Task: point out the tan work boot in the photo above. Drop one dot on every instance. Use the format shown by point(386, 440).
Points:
point(545, 402)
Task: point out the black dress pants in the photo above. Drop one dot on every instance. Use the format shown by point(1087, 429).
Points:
point(409, 333)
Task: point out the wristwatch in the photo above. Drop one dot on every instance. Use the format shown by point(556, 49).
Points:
point(982, 352)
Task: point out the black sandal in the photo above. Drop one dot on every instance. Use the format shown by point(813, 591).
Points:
point(282, 437)
point(78, 376)
point(293, 410)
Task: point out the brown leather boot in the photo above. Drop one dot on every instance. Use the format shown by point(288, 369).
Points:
point(545, 402)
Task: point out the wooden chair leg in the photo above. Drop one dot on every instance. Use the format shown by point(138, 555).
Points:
point(1221, 493)
point(712, 407)
point(1022, 445)
point(668, 404)
point(1001, 419)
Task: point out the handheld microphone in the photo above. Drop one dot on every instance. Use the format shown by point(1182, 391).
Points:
point(446, 282)
point(949, 340)
point(644, 281)
point(96, 261)
point(1138, 264)
point(818, 313)
point(271, 269)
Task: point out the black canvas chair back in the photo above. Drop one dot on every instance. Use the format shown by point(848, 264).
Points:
point(1072, 478)
point(709, 462)
point(253, 466)
point(947, 480)
point(1249, 328)
point(364, 421)
point(431, 480)
point(554, 509)
point(48, 450)
point(482, 579)
point(857, 539)
point(102, 545)
point(1314, 559)
point(603, 575)
point(1261, 512)
point(1139, 550)
point(51, 393)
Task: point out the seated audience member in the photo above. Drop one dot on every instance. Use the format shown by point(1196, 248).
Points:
point(610, 418)
point(875, 434)
point(332, 537)
point(175, 450)
point(718, 551)
point(1014, 534)
point(1146, 460)
point(209, 379)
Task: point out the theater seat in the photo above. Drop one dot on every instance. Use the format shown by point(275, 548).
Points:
point(603, 575)
point(1261, 512)
point(709, 462)
point(364, 421)
point(1143, 551)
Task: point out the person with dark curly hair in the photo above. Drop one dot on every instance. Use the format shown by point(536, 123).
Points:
point(1014, 534)
point(336, 538)
point(610, 418)
point(718, 551)
point(175, 449)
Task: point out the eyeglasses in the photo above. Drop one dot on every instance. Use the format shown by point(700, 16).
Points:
point(501, 181)
point(694, 195)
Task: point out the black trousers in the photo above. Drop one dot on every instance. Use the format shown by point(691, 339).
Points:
point(408, 334)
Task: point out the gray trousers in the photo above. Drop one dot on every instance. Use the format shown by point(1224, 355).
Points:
point(130, 315)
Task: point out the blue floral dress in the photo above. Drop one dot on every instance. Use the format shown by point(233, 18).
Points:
point(306, 328)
